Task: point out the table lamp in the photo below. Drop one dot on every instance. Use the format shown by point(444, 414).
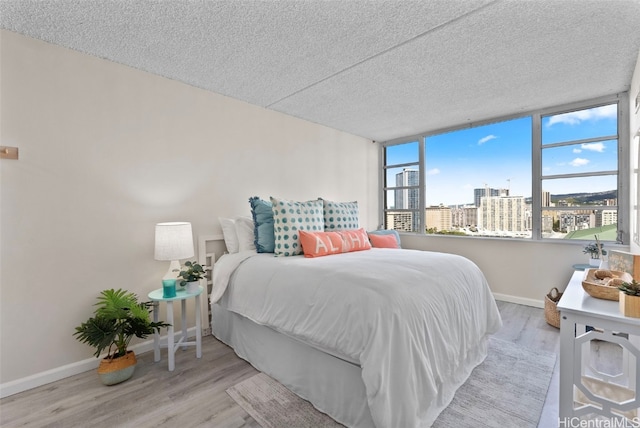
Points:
point(174, 241)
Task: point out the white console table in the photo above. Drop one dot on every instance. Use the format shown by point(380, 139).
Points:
point(583, 389)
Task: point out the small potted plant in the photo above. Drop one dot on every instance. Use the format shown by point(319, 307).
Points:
point(117, 319)
point(630, 299)
point(191, 275)
point(594, 251)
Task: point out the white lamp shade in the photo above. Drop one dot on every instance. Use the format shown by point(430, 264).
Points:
point(174, 241)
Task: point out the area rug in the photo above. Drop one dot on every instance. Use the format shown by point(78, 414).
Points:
point(274, 406)
point(507, 390)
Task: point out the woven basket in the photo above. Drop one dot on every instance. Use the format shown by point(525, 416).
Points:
point(551, 312)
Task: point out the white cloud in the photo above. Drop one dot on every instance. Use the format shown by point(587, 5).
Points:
point(577, 151)
point(594, 147)
point(434, 171)
point(483, 140)
point(576, 117)
point(579, 162)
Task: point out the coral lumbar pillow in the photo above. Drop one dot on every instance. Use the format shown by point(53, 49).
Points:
point(383, 241)
point(387, 232)
point(318, 244)
point(355, 240)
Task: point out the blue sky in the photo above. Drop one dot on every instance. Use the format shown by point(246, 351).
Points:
point(499, 155)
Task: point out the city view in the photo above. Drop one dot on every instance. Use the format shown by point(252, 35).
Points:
point(479, 180)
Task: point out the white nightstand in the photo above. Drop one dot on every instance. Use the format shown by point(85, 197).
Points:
point(584, 389)
point(172, 346)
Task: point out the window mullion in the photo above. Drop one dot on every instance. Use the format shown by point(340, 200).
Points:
point(536, 179)
point(422, 185)
point(584, 141)
point(580, 174)
point(401, 165)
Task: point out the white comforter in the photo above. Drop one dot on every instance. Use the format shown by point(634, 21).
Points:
point(415, 321)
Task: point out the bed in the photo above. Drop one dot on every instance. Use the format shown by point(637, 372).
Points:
point(377, 338)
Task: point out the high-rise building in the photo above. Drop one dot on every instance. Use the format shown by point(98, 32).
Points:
point(577, 220)
point(487, 191)
point(609, 217)
point(464, 216)
point(546, 198)
point(548, 217)
point(438, 218)
point(402, 221)
point(407, 198)
point(502, 213)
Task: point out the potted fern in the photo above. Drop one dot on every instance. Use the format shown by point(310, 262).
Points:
point(117, 319)
point(630, 299)
point(191, 275)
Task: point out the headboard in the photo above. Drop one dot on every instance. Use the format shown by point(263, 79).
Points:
point(210, 247)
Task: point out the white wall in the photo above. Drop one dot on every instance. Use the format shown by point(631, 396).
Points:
point(634, 125)
point(519, 271)
point(106, 152)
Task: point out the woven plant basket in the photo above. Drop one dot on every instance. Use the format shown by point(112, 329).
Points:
point(116, 370)
point(551, 312)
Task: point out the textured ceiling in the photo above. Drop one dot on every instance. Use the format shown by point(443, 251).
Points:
point(378, 69)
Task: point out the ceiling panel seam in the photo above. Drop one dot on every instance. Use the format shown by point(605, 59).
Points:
point(383, 52)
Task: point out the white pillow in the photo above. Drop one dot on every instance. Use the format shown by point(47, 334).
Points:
point(230, 234)
point(245, 231)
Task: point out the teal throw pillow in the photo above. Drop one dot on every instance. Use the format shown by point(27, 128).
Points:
point(263, 225)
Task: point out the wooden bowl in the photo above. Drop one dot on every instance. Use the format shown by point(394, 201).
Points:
point(599, 289)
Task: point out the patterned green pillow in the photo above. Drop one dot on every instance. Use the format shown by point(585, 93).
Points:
point(340, 215)
point(288, 218)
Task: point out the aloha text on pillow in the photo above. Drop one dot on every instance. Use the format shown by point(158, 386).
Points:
point(318, 244)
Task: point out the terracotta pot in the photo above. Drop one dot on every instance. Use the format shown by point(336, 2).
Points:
point(629, 305)
point(116, 370)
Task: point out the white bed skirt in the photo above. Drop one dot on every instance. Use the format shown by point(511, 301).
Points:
point(333, 385)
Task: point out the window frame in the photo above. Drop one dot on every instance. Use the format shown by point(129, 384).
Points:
point(421, 182)
point(537, 177)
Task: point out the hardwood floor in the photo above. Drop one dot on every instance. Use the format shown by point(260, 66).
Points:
point(194, 394)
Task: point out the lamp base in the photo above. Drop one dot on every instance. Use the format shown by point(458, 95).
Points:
point(174, 270)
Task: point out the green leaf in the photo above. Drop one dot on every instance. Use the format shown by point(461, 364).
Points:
point(118, 318)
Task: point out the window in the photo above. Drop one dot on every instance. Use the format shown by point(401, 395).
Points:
point(477, 179)
point(553, 174)
point(579, 179)
point(402, 186)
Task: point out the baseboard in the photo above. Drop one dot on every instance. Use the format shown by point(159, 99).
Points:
point(43, 378)
point(519, 300)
